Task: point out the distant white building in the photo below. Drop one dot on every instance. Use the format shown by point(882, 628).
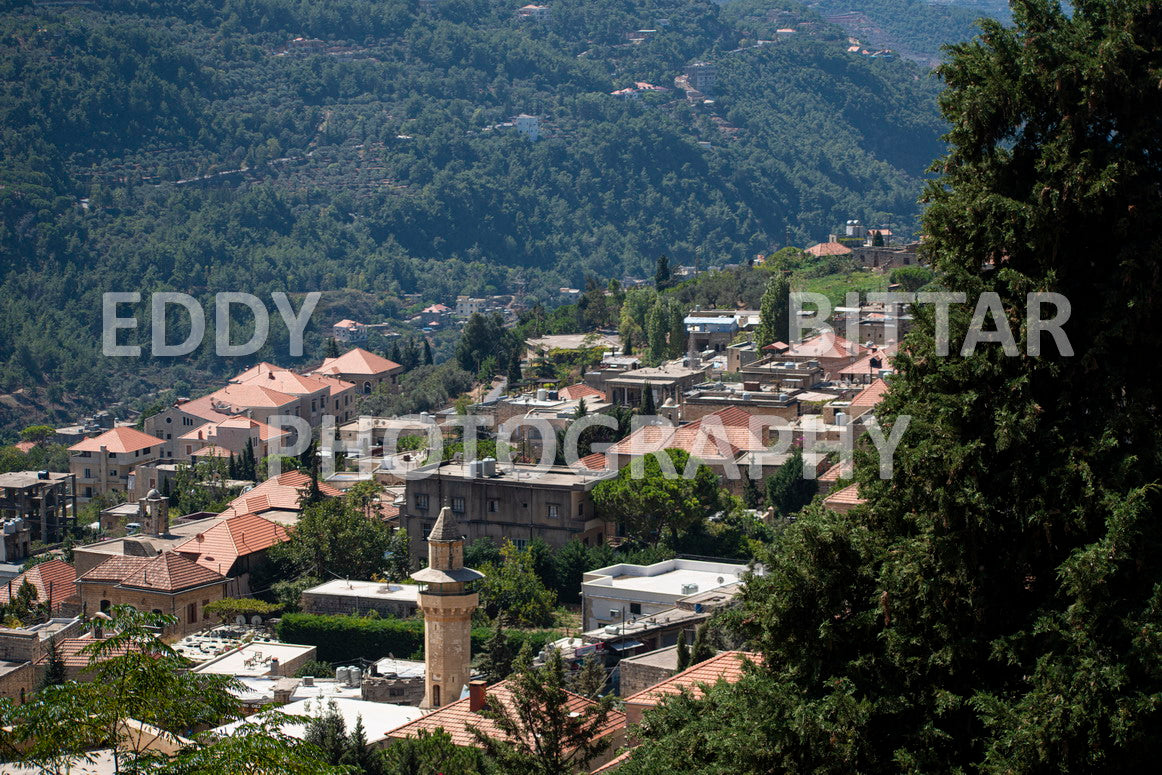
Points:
point(529, 126)
point(467, 306)
point(621, 592)
point(349, 331)
point(539, 13)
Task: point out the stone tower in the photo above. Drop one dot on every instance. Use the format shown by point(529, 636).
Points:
point(154, 511)
point(447, 603)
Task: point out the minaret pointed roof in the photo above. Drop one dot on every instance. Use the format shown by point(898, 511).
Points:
point(447, 528)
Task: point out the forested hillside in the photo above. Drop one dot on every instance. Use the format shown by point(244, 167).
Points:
point(200, 147)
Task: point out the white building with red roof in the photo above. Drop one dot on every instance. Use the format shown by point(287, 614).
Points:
point(234, 548)
point(228, 437)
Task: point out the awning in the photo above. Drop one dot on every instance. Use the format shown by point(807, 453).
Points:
point(626, 645)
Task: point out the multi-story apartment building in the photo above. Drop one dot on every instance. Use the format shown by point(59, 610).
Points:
point(102, 464)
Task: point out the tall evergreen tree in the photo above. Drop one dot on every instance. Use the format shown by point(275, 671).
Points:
point(427, 360)
point(995, 605)
point(774, 310)
point(662, 273)
point(648, 407)
point(55, 671)
point(683, 652)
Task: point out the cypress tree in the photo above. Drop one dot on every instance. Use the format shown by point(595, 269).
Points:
point(683, 652)
point(648, 408)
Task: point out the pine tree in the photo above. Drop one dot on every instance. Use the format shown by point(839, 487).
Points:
point(55, 671)
point(328, 733)
point(683, 652)
point(359, 754)
point(496, 661)
point(590, 679)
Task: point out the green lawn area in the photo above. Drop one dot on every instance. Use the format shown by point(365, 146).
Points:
point(834, 286)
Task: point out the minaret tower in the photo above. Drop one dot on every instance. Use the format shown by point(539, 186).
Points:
point(447, 602)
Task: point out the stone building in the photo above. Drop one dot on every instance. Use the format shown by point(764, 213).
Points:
point(513, 501)
point(102, 464)
point(447, 601)
point(167, 583)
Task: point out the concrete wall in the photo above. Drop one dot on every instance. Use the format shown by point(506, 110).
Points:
point(322, 603)
point(398, 691)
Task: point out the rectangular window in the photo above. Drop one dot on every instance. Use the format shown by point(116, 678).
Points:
point(554, 511)
point(421, 501)
point(458, 505)
point(493, 506)
point(88, 473)
point(580, 509)
point(635, 609)
point(521, 544)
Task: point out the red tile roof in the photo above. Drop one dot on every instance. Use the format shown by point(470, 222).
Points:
point(168, 572)
point(580, 390)
point(727, 666)
point(836, 472)
point(208, 431)
point(281, 493)
point(613, 763)
point(456, 719)
point(845, 499)
point(827, 346)
point(233, 398)
point(871, 395)
point(218, 547)
point(828, 249)
point(71, 652)
point(358, 361)
point(863, 366)
point(594, 462)
point(53, 579)
point(122, 439)
point(724, 433)
point(255, 371)
point(285, 381)
point(171, 572)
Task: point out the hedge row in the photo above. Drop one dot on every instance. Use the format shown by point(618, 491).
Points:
point(342, 639)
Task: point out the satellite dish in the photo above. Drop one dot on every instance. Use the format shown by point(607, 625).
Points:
point(246, 489)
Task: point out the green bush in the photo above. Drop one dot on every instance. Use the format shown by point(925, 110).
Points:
point(344, 638)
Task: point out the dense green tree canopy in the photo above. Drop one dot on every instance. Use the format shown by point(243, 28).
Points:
point(994, 606)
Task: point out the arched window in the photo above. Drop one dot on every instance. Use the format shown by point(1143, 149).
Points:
point(366, 388)
point(105, 605)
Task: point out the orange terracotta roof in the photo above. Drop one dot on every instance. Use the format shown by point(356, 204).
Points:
point(580, 390)
point(842, 500)
point(836, 472)
point(114, 569)
point(827, 346)
point(336, 385)
point(594, 462)
point(204, 408)
point(724, 433)
point(456, 719)
point(613, 763)
point(282, 493)
point(209, 431)
point(727, 666)
point(863, 366)
point(256, 371)
point(346, 323)
point(235, 398)
point(829, 249)
point(211, 451)
point(122, 439)
point(358, 361)
point(286, 381)
point(170, 572)
point(871, 395)
point(218, 547)
point(70, 650)
point(54, 580)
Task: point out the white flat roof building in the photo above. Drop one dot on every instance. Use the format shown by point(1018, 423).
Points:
point(609, 595)
point(259, 659)
point(378, 718)
point(343, 596)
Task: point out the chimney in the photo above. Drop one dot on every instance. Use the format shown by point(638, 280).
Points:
point(476, 697)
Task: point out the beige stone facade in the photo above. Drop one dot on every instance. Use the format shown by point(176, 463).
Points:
point(447, 603)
